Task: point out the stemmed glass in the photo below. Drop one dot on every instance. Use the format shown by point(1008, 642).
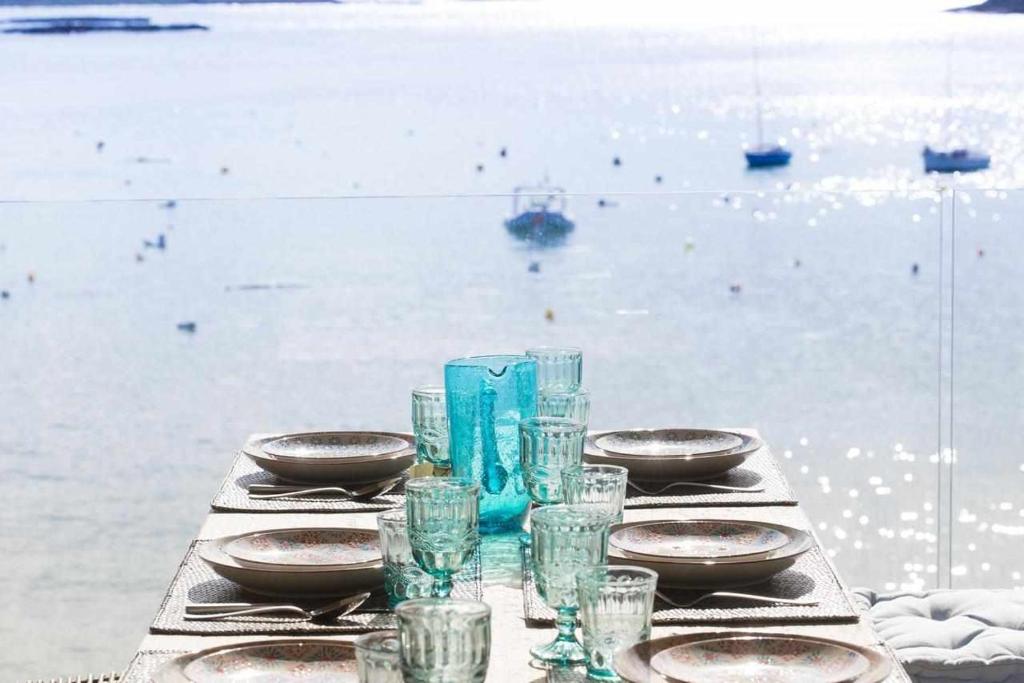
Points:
point(430, 426)
point(444, 526)
point(565, 540)
point(615, 607)
point(547, 447)
point(444, 641)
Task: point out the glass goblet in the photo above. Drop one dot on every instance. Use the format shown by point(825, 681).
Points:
point(558, 367)
point(547, 446)
point(403, 579)
point(574, 405)
point(443, 514)
point(615, 610)
point(378, 657)
point(430, 425)
point(565, 539)
point(444, 641)
point(602, 487)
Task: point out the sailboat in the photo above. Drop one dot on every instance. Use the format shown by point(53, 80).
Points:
point(764, 155)
point(953, 159)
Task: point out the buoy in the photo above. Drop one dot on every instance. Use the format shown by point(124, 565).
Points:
point(479, 168)
point(224, 170)
point(139, 258)
point(31, 278)
point(914, 269)
point(100, 145)
point(534, 267)
point(169, 204)
point(616, 161)
point(796, 263)
point(549, 315)
point(657, 179)
point(689, 246)
point(4, 294)
point(187, 326)
point(503, 153)
point(736, 288)
point(981, 253)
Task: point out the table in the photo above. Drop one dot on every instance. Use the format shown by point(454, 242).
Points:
point(511, 637)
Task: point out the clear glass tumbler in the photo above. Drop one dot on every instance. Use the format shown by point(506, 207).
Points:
point(602, 487)
point(443, 514)
point(403, 579)
point(444, 641)
point(574, 405)
point(558, 368)
point(547, 447)
point(378, 657)
point(430, 425)
point(615, 610)
point(564, 540)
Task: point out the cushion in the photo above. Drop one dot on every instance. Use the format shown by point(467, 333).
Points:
point(952, 636)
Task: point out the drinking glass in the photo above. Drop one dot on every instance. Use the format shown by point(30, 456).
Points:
point(547, 446)
point(444, 641)
point(615, 609)
point(430, 425)
point(602, 487)
point(403, 579)
point(564, 540)
point(378, 657)
point(444, 519)
point(574, 405)
point(558, 367)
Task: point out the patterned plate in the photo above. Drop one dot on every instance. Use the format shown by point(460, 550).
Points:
point(698, 539)
point(766, 659)
point(668, 442)
point(274, 661)
point(334, 446)
point(306, 547)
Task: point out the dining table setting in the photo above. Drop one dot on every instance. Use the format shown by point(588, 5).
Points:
point(501, 538)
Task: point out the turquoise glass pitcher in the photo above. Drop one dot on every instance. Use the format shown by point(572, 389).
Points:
point(487, 396)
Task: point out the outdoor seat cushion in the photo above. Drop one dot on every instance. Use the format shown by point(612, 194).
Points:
point(952, 636)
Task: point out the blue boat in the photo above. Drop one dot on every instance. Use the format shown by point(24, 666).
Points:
point(538, 214)
point(767, 156)
point(960, 160)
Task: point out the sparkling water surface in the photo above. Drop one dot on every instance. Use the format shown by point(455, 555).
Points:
point(324, 313)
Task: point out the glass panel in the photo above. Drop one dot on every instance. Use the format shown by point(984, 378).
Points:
point(988, 378)
point(797, 312)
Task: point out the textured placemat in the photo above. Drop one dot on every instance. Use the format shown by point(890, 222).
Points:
point(147, 663)
point(233, 495)
point(196, 582)
point(810, 577)
point(759, 470)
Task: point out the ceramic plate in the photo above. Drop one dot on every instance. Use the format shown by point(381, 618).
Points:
point(698, 539)
point(292, 582)
point(273, 661)
point(666, 468)
point(766, 659)
point(635, 663)
point(333, 471)
point(668, 442)
point(725, 572)
point(334, 446)
point(306, 547)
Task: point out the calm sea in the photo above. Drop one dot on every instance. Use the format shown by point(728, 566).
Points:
point(338, 235)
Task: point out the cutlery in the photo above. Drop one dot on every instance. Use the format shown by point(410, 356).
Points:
point(88, 678)
point(269, 491)
point(695, 484)
point(736, 596)
point(213, 611)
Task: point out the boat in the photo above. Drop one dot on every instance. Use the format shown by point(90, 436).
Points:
point(764, 155)
point(64, 25)
point(538, 214)
point(960, 160)
point(953, 158)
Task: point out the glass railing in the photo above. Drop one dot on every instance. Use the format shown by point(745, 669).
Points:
point(863, 333)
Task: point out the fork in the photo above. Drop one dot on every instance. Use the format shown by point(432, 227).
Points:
point(213, 611)
point(88, 678)
point(736, 596)
point(270, 491)
point(695, 484)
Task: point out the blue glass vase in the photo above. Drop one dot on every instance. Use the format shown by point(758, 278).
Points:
point(487, 396)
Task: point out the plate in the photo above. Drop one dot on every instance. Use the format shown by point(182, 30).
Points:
point(311, 547)
point(333, 471)
point(634, 664)
point(334, 446)
point(666, 468)
point(668, 442)
point(767, 659)
point(725, 572)
point(292, 582)
point(269, 661)
point(698, 539)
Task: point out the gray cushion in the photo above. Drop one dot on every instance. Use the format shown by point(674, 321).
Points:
point(952, 636)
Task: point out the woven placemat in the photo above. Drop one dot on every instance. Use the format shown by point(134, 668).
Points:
point(233, 495)
point(147, 663)
point(810, 578)
point(760, 469)
point(196, 582)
